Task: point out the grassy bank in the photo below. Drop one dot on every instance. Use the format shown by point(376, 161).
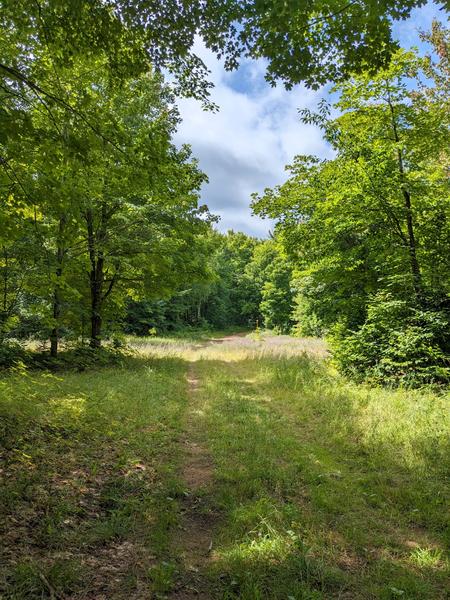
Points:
point(88, 465)
point(320, 488)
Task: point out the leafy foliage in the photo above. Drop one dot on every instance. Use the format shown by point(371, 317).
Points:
point(276, 295)
point(396, 344)
point(249, 285)
point(301, 41)
point(368, 229)
point(91, 220)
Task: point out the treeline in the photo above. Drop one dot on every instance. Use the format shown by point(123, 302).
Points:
point(101, 230)
point(250, 285)
point(369, 229)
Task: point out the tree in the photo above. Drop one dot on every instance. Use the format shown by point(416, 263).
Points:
point(249, 284)
point(268, 281)
point(276, 296)
point(16, 264)
point(301, 41)
point(371, 225)
point(112, 215)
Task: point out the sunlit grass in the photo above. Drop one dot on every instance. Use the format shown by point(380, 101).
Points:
point(323, 489)
point(429, 558)
point(354, 475)
point(88, 462)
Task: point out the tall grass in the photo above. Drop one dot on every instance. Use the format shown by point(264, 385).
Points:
point(322, 488)
point(328, 489)
point(88, 464)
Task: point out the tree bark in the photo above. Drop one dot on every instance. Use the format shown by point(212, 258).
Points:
point(96, 277)
point(96, 284)
point(4, 311)
point(54, 334)
point(411, 238)
point(415, 267)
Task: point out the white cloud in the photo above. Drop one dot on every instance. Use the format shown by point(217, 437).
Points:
point(245, 146)
point(420, 20)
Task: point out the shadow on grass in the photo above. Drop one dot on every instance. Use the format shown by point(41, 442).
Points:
point(89, 483)
point(322, 495)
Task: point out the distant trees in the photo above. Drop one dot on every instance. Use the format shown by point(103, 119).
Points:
point(368, 229)
point(249, 284)
point(277, 295)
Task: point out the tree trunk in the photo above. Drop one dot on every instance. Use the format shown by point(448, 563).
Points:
point(96, 276)
point(54, 338)
point(54, 334)
point(415, 267)
point(412, 245)
point(4, 311)
point(96, 302)
point(96, 330)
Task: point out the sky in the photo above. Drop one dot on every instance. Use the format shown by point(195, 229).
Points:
point(245, 146)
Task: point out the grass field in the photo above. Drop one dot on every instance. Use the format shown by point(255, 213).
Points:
point(241, 467)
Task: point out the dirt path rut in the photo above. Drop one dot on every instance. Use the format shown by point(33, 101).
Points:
point(193, 541)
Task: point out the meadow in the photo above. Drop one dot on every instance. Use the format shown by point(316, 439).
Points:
point(232, 467)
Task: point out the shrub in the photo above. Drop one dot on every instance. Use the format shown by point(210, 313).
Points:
point(307, 323)
point(11, 354)
point(396, 344)
point(82, 358)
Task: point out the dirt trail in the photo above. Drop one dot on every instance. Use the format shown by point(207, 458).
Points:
point(193, 541)
point(227, 338)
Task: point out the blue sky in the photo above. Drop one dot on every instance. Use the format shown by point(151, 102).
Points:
point(244, 147)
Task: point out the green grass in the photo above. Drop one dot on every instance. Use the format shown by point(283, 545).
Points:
point(322, 489)
point(327, 489)
point(189, 335)
point(89, 477)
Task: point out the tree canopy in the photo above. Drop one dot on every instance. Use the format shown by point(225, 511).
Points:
point(96, 218)
point(368, 229)
point(314, 41)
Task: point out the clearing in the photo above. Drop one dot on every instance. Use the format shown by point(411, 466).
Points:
point(238, 467)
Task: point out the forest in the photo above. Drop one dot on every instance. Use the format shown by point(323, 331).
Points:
point(103, 233)
point(192, 413)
